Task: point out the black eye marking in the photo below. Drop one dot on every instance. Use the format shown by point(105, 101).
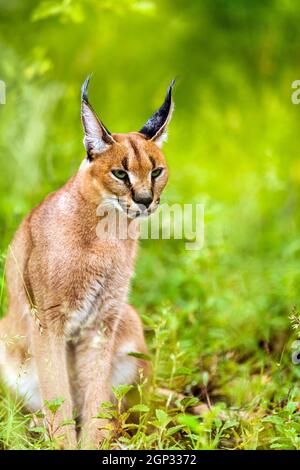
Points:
point(125, 163)
point(152, 162)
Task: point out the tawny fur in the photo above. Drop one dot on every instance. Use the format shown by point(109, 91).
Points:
point(69, 329)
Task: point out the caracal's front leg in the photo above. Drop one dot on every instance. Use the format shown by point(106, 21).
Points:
point(93, 356)
point(102, 360)
point(49, 352)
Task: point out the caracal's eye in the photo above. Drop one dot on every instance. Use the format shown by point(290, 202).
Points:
point(155, 173)
point(120, 174)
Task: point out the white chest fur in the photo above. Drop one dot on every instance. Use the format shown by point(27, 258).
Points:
point(87, 312)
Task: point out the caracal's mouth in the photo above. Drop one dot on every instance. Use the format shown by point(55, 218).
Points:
point(124, 208)
point(134, 214)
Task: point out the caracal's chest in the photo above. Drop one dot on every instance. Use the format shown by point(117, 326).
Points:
point(101, 280)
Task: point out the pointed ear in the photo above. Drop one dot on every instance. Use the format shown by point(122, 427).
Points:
point(155, 128)
point(97, 138)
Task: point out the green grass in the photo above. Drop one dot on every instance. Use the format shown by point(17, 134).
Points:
point(219, 334)
point(217, 320)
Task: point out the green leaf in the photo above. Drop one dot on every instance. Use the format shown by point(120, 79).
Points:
point(291, 406)
point(188, 402)
point(54, 405)
point(217, 422)
point(278, 446)
point(174, 429)
point(107, 404)
point(190, 421)
point(273, 419)
point(124, 439)
point(144, 357)
point(131, 426)
point(162, 417)
point(68, 422)
point(38, 429)
point(230, 423)
point(121, 390)
point(139, 408)
point(104, 415)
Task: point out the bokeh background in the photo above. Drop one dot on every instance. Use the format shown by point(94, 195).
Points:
point(218, 317)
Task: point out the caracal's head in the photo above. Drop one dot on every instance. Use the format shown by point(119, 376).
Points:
point(125, 171)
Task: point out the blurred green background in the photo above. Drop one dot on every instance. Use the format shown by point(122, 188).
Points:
point(233, 146)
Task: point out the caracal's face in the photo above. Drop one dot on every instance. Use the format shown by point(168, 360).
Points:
point(130, 175)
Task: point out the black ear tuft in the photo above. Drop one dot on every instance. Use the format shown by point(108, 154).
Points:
point(84, 89)
point(160, 118)
point(96, 136)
